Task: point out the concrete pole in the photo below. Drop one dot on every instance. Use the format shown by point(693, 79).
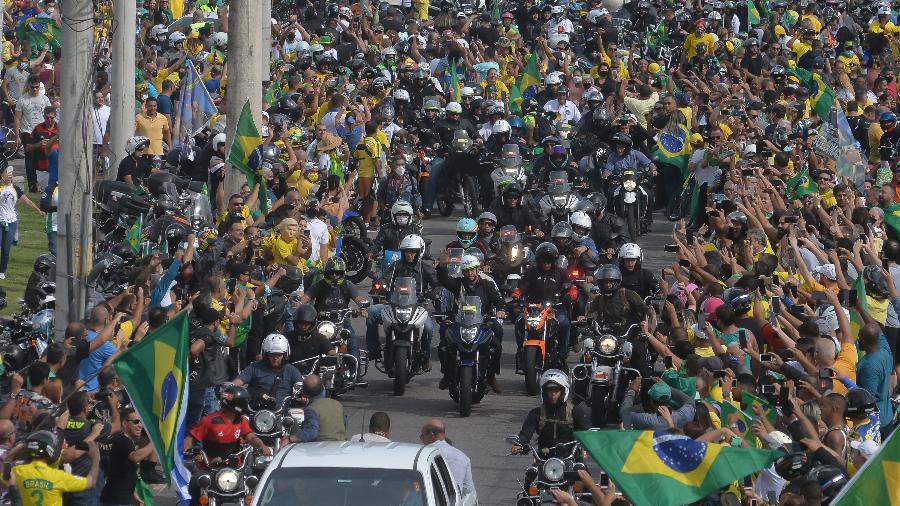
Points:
point(75, 233)
point(121, 118)
point(265, 9)
point(244, 54)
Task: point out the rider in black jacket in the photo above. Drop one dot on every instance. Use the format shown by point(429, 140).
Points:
point(557, 417)
point(512, 212)
point(634, 278)
point(609, 231)
point(545, 282)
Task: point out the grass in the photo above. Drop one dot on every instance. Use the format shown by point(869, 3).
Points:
point(32, 242)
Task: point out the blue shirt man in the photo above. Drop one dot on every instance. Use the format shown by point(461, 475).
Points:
point(616, 164)
point(873, 372)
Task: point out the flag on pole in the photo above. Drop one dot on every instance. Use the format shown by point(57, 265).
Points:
point(196, 107)
point(856, 321)
point(801, 185)
point(246, 153)
point(674, 148)
point(737, 419)
point(752, 14)
point(821, 96)
point(667, 469)
point(273, 93)
point(515, 99)
point(133, 237)
point(877, 481)
point(155, 374)
point(454, 82)
point(530, 80)
point(749, 400)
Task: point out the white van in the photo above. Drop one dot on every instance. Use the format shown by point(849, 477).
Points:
point(353, 473)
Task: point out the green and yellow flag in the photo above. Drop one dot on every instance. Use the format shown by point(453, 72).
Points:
point(667, 469)
point(133, 237)
point(155, 375)
point(246, 153)
point(821, 96)
point(749, 400)
point(737, 419)
point(878, 481)
point(454, 82)
point(801, 185)
point(530, 80)
point(674, 148)
point(892, 217)
point(752, 14)
point(856, 321)
point(515, 99)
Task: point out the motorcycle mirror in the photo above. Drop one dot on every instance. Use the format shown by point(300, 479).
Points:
point(626, 348)
point(251, 482)
point(204, 481)
point(287, 423)
point(595, 290)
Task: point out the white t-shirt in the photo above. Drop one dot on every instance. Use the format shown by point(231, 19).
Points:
point(100, 120)
point(318, 234)
point(32, 109)
point(15, 82)
point(704, 173)
point(9, 195)
point(568, 112)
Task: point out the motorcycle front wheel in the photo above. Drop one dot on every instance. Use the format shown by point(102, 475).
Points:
point(401, 372)
point(599, 406)
point(530, 359)
point(355, 255)
point(466, 377)
point(633, 221)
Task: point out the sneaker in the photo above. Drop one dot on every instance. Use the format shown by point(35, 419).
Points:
point(494, 384)
point(2, 275)
point(445, 383)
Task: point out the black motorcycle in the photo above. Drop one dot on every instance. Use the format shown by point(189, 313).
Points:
point(601, 377)
point(462, 187)
point(342, 371)
point(632, 201)
point(228, 480)
point(404, 321)
point(555, 468)
point(471, 343)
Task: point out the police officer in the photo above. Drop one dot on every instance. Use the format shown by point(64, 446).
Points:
point(557, 417)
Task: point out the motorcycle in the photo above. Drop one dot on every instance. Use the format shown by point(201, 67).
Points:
point(514, 257)
point(511, 167)
point(404, 321)
point(559, 203)
point(471, 343)
point(464, 187)
point(270, 423)
point(600, 379)
point(228, 480)
point(539, 326)
point(340, 373)
point(555, 469)
point(631, 200)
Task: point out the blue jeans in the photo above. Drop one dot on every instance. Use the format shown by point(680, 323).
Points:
point(7, 237)
point(373, 322)
point(437, 165)
point(51, 242)
point(88, 497)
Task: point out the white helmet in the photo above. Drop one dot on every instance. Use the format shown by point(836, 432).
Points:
point(413, 241)
point(552, 79)
point(219, 40)
point(500, 127)
point(884, 10)
point(402, 207)
point(594, 16)
point(401, 95)
point(467, 91)
point(630, 250)
point(454, 107)
point(715, 16)
point(469, 262)
point(557, 9)
point(159, 33)
point(135, 142)
point(559, 378)
point(276, 343)
point(388, 51)
point(581, 219)
point(176, 37)
point(219, 139)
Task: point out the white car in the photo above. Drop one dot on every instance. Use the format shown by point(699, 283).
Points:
point(352, 473)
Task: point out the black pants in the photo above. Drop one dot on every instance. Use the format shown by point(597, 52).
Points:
point(30, 174)
point(893, 338)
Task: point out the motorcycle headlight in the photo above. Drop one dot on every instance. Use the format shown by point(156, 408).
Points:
point(554, 469)
point(227, 479)
point(607, 345)
point(404, 314)
point(514, 252)
point(468, 334)
point(327, 329)
point(264, 421)
point(630, 185)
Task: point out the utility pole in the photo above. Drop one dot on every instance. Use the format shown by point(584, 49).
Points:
point(121, 118)
point(244, 53)
point(75, 233)
point(264, 61)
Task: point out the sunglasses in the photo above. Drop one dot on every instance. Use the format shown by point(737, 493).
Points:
point(135, 421)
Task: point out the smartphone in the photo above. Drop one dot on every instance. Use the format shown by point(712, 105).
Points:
point(775, 303)
point(818, 295)
point(456, 255)
point(604, 480)
point(753, 502)
point(670, 248)
point(748, 482)
point(690, 238)
point(767, 389)
point(789, 219)
point(825, 378)
point(734, 383)
point(852, 298)
point(766, 280)
point(719, 374)
point(684, 262)
point(669, 363)
point(766, 357)
point(742, 337)
point(747, 172)
point(713, 213)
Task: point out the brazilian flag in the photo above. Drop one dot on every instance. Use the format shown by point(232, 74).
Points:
point(669, 469)
point(878, 481)
point(748, 400)
point(515, 99)
point(892, 217)
point(133, 237)
point(801, 185)
point(674, 148)
point(37, 31)
point(454, 82)
point(155, 375)
point(737, 419)
point(246, 153)
point(821, 96)
point(753, 18)
point(530, 80)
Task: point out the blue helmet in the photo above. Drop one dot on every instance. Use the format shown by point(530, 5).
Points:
point(466, 232)
point(516, 122)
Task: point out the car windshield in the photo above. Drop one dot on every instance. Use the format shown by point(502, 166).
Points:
point(343, 486)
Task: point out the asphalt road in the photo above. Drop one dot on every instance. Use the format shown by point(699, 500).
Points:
point(480, 436)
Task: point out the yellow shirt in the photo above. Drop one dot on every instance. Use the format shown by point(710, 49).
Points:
point(828, 200)
point(153, 129)
point(878, 308)
point(367, 152)
point(245, 214)
point(845, 364)
point(814, 22)
point(42, 485)
point(890, 28)
point(500, 87)
point(161, 75)
point(690, 43)
point(848, 61)
point(800, 48)
point(282, 249)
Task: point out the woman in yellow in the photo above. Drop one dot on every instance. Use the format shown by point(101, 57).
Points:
point(368, 156)
point(286, 246)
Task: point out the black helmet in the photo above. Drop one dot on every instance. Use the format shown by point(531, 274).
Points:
point(235, 398)
point(860, 403)
point(546, 252)
point(831, 480)
point(876, 284)
point(335, 265)
point(561, 234)
point(43, 444)
point(601, 117)
point(793, 465)
point(739, 299)
point(512, 189)
point(45, 263)
point(599, 201)
point(622, 138)
point(308, 314)
point(608, 272)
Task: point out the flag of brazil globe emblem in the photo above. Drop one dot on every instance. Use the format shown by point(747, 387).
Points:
point(667, 469)
point(155, 374)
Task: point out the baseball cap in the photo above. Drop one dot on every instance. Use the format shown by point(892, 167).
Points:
point(661, 393)
point(776, 439)
point(827, 270)
point(868, 447)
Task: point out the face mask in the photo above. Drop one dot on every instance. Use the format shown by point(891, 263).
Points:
point(23, 66)
point(344, 23)
point(400, 170)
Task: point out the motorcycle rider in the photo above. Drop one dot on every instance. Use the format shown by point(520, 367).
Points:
point(556, 418)
point(305, 341)
point(221, 432)
point(399, 186)
point(467, 236)
point(270, 378)
point(634, 277)
point(610, 231)
point(620, 307)
point(559, 160)
point(512, 212)
point(334, 292)
point(544, 282)
point(487, 227)
point(473, 284)
point(623, 157)
point(582, 234)
point(410, 265)
point(394, 230)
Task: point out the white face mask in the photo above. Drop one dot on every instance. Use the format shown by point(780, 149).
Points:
point(400, 170)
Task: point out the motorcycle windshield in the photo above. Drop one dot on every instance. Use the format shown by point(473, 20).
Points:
point(200, 209)
point(559, 183)
point(508, 234)
point(404, 293)
point(469, 313)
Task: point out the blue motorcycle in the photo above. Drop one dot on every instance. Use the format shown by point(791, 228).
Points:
point(471, 345)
